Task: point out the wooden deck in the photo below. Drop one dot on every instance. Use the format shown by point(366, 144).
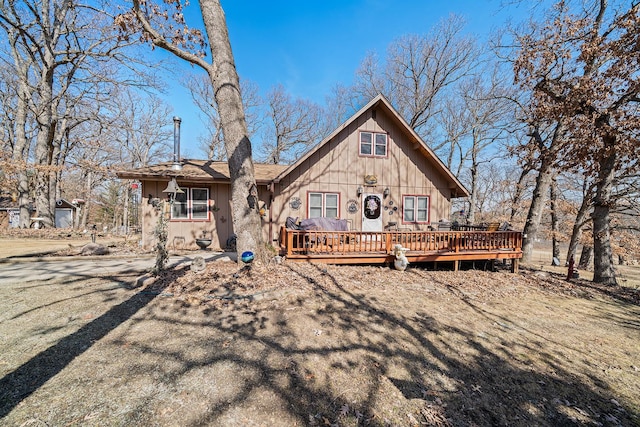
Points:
point(359, 247)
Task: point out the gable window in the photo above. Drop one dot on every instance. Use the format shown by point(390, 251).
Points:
point(323, 205)
point(415, 209)
point(192, 204)
point(373, 144)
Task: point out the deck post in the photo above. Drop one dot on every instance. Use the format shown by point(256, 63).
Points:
point(289, 242)
point(514, 265)
point(456, 265)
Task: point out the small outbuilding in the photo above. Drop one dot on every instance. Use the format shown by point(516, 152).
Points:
point(67, 214)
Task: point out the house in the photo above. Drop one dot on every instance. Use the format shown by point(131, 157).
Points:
point(67, 213)
point(373, 171)
point(10, 212)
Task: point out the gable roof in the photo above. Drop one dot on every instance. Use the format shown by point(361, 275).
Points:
point(199, 171)
point(380, 102)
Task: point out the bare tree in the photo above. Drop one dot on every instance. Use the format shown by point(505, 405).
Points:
point(582, 214)
point(202, 94)
point(582, 70)
point(292, 128)
point(418, 71)
point(487, 116)
point(59, 51)
point(540, 151)
point(226, 87)
point(456, 126)
point(139, 128)
point(340, 105)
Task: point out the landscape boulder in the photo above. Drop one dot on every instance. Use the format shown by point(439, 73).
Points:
point(94, 249)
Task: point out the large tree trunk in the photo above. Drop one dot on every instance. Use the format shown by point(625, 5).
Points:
point(553, 197)
point(473, 197)
point(578, 224)
point(44, 141)
point(20, 155)
point(43, 184)
point(125, 207)
point(244, 192)
point(517, 195)
point(603, 271)
point(87, 200)
point(543, 181)
point(21, 144)
point(585, 257)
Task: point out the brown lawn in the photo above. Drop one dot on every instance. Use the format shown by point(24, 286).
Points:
point(299, 344)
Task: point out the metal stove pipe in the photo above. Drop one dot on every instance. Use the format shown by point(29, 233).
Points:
point(176, 144)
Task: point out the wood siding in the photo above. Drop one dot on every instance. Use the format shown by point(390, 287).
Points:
point(183, 233)
point(339, 168)
point(335, 166)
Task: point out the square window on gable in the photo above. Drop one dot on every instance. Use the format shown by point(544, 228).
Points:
point(373, 144)
point(366, 142)
point(381, 144)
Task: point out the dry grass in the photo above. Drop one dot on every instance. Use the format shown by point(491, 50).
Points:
point(298, 344)
point(627, 275)
point(30, 242)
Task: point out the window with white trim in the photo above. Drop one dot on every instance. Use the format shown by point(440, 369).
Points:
point(373, 144)
point(192, 204)
point(415, 209)
point(323, 205)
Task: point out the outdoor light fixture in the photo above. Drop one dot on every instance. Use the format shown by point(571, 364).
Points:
point(172, 189)
point(386, 192)
point(359, 190)
point(252, 198)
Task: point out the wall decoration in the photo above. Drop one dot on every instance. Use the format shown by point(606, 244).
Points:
point(372, 207)
point(370, 179)
point(352, 206)
point(295, 203)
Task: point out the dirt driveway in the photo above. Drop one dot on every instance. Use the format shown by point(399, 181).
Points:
point(298, 344)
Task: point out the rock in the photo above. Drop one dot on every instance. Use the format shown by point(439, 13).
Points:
point(198, 264)
point(94, 249)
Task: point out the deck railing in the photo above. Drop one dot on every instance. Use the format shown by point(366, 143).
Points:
point(299, 242)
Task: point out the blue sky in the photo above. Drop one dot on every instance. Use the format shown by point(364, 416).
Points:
point(309, 47)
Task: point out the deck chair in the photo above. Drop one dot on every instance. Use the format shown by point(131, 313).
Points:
point(493, 226)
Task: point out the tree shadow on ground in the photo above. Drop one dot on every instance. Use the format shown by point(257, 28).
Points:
point(342, 357)
point(331, 355)
point(29, 377)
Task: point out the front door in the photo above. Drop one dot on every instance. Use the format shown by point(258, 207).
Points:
point(372, 212)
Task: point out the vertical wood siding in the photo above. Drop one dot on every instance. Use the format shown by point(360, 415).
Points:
point(338, 167)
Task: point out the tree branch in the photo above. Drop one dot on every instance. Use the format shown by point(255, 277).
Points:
point(160, 41)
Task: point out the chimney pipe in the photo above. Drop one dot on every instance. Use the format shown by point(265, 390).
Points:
point(176, 144)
